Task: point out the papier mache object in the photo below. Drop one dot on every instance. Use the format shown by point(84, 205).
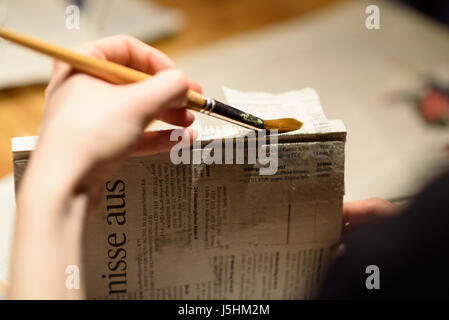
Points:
point(241, 214)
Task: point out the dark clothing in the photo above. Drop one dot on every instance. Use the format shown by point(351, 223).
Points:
point(436, 9)
point(411, 251)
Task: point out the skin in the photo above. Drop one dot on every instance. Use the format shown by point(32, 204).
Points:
point(88, 130)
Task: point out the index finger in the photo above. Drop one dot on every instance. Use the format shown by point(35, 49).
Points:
point(122, 49)
point(128, 51)
point(133, 53)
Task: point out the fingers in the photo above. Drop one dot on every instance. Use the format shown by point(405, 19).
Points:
point(130, 52)
point(181, 117)
point(367, 210)
point(177, 117)
point(193, 85)
point(61, 71)
point(149, 98)
point(124, 50)
point(153, 142)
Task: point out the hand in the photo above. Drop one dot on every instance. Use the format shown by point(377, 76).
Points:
point(360, 212)
point(365, 211)
point(89, 128)
point(101, 124)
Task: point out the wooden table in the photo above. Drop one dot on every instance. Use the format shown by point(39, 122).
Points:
point(21, 108)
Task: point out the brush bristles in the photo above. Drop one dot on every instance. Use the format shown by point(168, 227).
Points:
point(283, 125)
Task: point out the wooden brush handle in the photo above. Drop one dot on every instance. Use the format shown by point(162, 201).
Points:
point(106, 70)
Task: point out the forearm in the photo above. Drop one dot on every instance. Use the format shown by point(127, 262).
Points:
point(89, 128)
point(49, 223)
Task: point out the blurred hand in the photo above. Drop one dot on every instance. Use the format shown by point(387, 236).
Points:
point(101, 124)
point(89, 128)
point(369, 210)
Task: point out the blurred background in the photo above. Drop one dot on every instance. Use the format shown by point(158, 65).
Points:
point(387, 82)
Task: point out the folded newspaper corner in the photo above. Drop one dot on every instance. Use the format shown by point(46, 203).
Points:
point(210, 230)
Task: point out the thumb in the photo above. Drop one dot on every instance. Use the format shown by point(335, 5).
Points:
point(368, 210)
point(148, 98)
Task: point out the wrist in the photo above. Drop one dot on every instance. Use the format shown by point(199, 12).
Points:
point(52, 177)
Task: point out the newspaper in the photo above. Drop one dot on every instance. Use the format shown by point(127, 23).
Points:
point(221, 231)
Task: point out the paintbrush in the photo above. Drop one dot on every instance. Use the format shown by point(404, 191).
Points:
point(119, 74)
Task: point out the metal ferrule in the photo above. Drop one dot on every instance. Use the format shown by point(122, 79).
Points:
point(227, 113)
point(208, 106)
